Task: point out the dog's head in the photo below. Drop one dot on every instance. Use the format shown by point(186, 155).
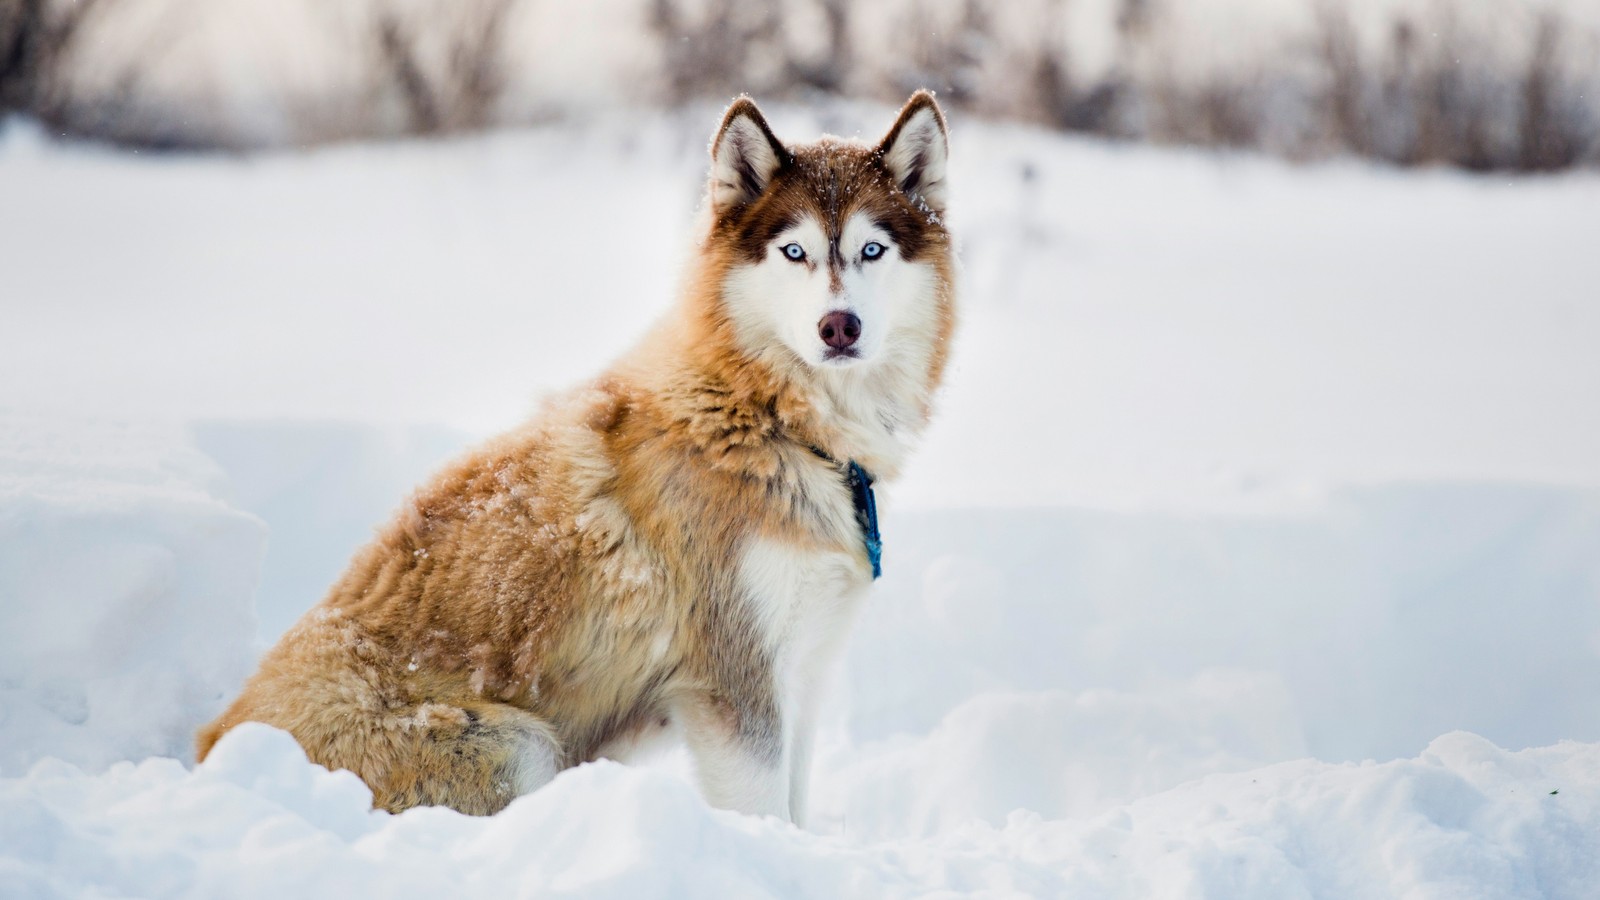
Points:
point(836, 251)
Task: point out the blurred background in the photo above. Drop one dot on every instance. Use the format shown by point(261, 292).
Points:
point(1271, 428)
point(1482, 84)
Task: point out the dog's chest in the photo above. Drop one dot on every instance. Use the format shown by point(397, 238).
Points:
point(799, 600)
point(799, 594)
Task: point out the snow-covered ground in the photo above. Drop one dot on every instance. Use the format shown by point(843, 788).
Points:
point(1463, 819)
point(1247, 476)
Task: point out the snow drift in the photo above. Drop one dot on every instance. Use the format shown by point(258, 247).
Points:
point(1463, 819)
point(126, 591)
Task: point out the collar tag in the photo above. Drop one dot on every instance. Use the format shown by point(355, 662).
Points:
point(866, 514)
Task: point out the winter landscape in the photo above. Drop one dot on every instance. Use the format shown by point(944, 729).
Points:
point(1254, 551)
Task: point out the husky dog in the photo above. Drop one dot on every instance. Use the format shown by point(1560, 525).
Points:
point(676, 548)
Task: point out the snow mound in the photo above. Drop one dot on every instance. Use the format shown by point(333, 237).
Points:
point(127, 591)
point(1057, 753)
point(1463, 819)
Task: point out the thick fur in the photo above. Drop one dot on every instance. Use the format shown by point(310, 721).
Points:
point(663, 549)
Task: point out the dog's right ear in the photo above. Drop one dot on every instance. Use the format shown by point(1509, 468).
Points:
point(744, 156)
point(917, 149)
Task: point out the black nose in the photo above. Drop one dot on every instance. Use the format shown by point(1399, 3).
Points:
point(839, 329)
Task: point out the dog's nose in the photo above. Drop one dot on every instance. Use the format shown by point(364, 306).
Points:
point(839, 329)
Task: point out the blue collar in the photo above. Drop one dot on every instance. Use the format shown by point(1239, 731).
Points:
point(866, 504)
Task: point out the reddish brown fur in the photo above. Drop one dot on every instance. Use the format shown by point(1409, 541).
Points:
point(523, 593)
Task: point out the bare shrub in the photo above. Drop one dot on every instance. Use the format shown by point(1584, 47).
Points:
point(718, 48)
point(1551, 130)
point(1218, 111)
point(1050, 94)
point(45, 43)
point(36, 39)
point(941, 53)
point(401, 70)
point(448, 72)
point(1345, 107)
point(708, 51)
point(1518, 91)
point(1091, 108)
point(1450, 105)
point(829, 70)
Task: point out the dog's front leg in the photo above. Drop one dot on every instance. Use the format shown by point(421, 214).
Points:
point(800, 740)
point(741, 751)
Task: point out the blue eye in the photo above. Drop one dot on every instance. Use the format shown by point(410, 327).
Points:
point(794, 252)
point(872, 250)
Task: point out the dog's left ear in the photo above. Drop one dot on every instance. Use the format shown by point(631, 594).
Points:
point(916, 150)
point(744, 156)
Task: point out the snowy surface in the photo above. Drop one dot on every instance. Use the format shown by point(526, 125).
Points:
point(125, 591)
point(1246, 475)
point(1143, 329)
point(1463, 819)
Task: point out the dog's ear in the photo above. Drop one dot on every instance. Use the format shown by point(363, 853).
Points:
point(916, 150)
point(744, 156)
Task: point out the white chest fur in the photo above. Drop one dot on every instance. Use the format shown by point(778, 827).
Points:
point(802, 602)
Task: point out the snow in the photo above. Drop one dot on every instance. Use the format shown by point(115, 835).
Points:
point(127, 591)
point(1260, 515)
point(1463, 819)
point(1205, 335)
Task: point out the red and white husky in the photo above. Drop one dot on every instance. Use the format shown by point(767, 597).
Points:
point(682, 543)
